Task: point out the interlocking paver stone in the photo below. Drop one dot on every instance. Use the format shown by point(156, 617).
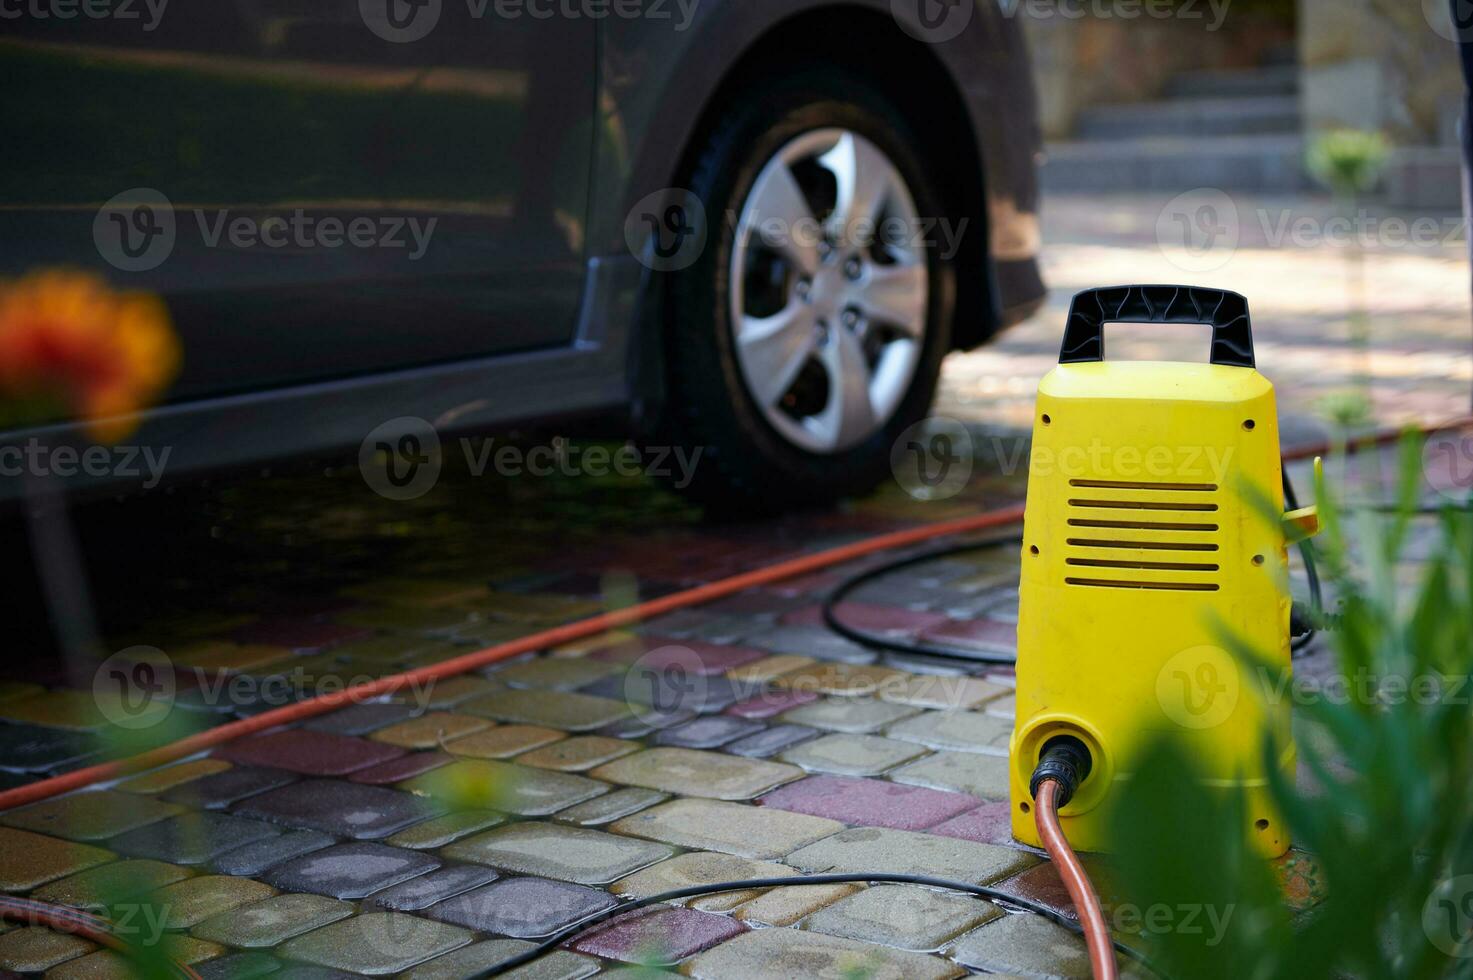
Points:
point(661, 935)
point(906, 916)
point(32, 748)
point(527, 908)
point(192, 838)
point(558, 673)
point(869, 802)
point(708, 732)
point(360, 719)
point(691, 772)
point(966, 731)
point(812, 641)
point(939, 691)
point(429, 731)
point(90, 816)
point(238, 966)
point(769, 667)
point(784, 906)
point(731, 828)
point(853, 715)
point(402, 768)
point(504, 741)
point(692, 656)
point(310, 753)
point(509, 788)
point(701, 868)
point(471, 960)
point(610, 807)
point(189, 902)
point(426, 890)
point(771, 701)
point(565, 710)
point(851, 755)
point(905, 852)
point(107, 965)
point(110, 883)
point(252, 859)
point(771, 741)
point(983, 776)
point(375, 943)
point(56, 709)
point(443, 830)
point(845, 680)
point(891, 621)
point(578, 754)
point(1028, 945)
point(983, 634)
point(226, 788)
point(340, 808)
point(33, 949)
point(589, 857)
point(170, 776)
point(350, 871)
point(792, 953)
point(271, 921)
point(990, 823)
point(301, 635)
point(29, 860)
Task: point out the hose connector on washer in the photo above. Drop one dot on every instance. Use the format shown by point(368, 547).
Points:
point(1065, 760)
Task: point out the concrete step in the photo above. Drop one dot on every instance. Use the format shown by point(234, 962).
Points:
point(1249, 163)
point(1271, 80)
point(1191, 117)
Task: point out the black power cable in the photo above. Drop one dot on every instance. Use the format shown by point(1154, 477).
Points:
point(571, 932)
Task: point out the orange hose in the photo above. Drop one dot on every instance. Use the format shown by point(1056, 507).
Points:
point(1086, 902)
point(792, 568)
point(29, 911)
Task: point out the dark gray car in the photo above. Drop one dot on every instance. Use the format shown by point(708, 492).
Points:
point(752, 226)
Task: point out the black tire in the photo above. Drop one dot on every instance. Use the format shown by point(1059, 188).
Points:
point(746, 466)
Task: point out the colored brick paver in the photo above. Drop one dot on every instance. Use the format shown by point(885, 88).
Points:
point(350, 871)
point(562, 674)
point(690, 772)
point(340, 808)
point(770, 741)
point(564, 710)
point(361, 719)
point(376, 943)
point(503, 741)
point(610, 807)
point(746, 831)
point(307, 752)
point(471, 960)
point(889, 621)
point(110, 883)
point(968, 731)
point(931, 691)
point(90, 816)
point(167, 778)
point(701, 868)
point(785, 906)
point(578, 754)
point(661, 935)
point(252, 859)
point(983, 776)
point(990, 823)
point(424, 891)
point(851, 755)
point(107, 965)
point(709, 732)
point(429, 731)
point(31, 748)
point(29, 860)
point(442, 830)
point(189, 902)
point(402, 768)
point(271, 921)
point(905, 916)
point(223, 789)
point(33, 949)
point(588, 857)
point(1024, 944)
point(793, 953)
point(904, 852)
point(771, 701)
point(857, 716)
point(869, 802)
point(522, 790)
point(526, 907)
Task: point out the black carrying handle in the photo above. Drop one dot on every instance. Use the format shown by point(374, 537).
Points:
point(1226, 312)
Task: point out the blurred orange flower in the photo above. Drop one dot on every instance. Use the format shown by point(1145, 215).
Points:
point(70, 346)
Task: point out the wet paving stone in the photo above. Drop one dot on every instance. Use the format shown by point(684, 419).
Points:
point(430, 731)
point(692, 657)
point(701, 868)
point(1028, 945)
point(811, 641)
point(668, 692)
point(966, 731)
point(526, 908)
point(792, 953)
point(189, 902)
point(504, 741)
point(192, 838)
point(948, 692)
point(646, 721)
point(869, 802)
point(161, 780)
point(771, 701)
point(785, 906)
point(771, 741)
point(29, 860)
point(708, 732)
point(453, 692)
point(990, 823)
point(690, 772)
point(265, 923)
point(299, 635)
point(107, 965)
point(610, 807)
point(769, 667)
point(238, 966)
point(579, 753)
point(252, 859)
point(857, 716)
point(505, 787)
point(402, 768)
point(904, 852)
point(91, 816)
point(983, 776)
point(852, 755)
point(564, 710)
point(731, 828)
point(905, 916)
point(224, 789)
point(110, 883)
point(991, 636)
point(361, 719)
point(33, 949)
point(60, 708)
point(444, 830)
point(375, 943)
point(350, 871)
point(889, 621)
point(661, 935)
point(588, 857)
point(558, 673)
point(309, 753)
point(843, 680)
point(340, 808)
point(472, 960)
point(424, 891)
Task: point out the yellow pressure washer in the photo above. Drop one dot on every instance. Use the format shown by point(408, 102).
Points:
point(1145, 535)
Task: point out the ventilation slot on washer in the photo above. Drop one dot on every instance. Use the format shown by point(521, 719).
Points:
point(1168, 525)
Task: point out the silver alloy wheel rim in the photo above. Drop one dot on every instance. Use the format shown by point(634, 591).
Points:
point(857, 286)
